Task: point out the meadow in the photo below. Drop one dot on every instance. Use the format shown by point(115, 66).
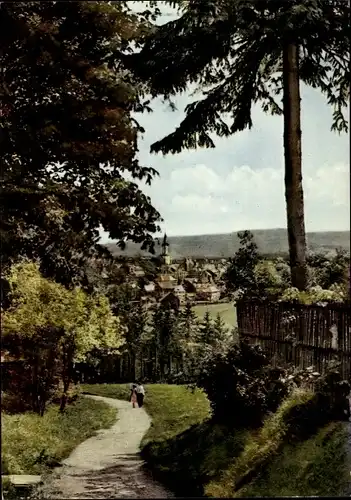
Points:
point(226, 310)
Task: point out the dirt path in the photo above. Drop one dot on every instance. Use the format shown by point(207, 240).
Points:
point(108, 465)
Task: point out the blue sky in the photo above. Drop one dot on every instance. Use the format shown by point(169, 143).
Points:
point(240, 184)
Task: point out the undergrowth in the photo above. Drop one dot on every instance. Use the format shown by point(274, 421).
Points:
point(31, 444)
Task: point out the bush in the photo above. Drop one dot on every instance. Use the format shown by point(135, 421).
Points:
point(315, 295)
point(243, 387)
point(241, 379)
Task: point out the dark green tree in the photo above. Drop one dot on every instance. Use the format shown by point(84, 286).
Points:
point(240, 274)
point(164, 334)
point(220, 329)
point(69, 134)
point(136, 326)
point(207, 330)
point(238, 53)
point(188, 323)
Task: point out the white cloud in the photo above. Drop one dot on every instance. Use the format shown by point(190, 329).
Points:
point(197, 199)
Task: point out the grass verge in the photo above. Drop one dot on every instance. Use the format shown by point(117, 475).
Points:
point(314, 467)
point(32, 444)
point(282, 460)
point(183, 448)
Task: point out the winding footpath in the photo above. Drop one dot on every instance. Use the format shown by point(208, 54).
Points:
point(108, 464)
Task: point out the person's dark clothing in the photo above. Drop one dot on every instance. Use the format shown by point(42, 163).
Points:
point(140, 399)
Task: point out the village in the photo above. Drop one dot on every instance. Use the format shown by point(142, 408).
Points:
point(198, 281)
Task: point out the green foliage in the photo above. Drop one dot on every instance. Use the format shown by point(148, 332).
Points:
point(244, 63)
point(77, 324)
point(30, 444)
point(207, 331)
point(240, 275)
point(37, 302)
point(330, 271)
point(69, 140)
point(270, 282)
point(295, 430)
point(239, 377)
point(259, 448)
point(314, 295)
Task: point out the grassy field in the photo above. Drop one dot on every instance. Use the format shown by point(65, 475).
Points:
point(31, 444)
point(226, 310)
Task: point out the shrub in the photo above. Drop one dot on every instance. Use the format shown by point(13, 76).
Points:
point(315, 295)
point(241, 379)
point(243, 387)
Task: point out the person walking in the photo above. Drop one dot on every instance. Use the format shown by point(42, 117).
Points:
point(133, 394)
point(140, 393)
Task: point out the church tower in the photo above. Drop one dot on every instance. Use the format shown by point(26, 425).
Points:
point(165, 257)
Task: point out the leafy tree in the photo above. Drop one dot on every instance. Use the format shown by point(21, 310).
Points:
point(335, 270)
point(269, 281)
point(69, 140)
point(240, 274)
point(121, 298)
point(81, 323)
point(255, 51)
point(150, 267)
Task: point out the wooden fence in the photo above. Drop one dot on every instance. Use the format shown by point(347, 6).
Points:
point(304, 335)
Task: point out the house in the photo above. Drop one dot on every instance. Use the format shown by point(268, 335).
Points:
point(179, 292)
point(149, 288)
point(164, 287)
point(171, 299)
point(207, 292)
point(189, 285)
point(139, 273)
point(165, 278)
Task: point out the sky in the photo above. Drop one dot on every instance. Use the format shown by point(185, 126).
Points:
point(240, 184)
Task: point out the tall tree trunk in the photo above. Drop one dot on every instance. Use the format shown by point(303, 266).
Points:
point(293, 172)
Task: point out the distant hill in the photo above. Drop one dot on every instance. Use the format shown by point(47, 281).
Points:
point(269, 241)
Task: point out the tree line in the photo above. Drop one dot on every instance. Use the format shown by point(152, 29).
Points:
point(162, 344)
